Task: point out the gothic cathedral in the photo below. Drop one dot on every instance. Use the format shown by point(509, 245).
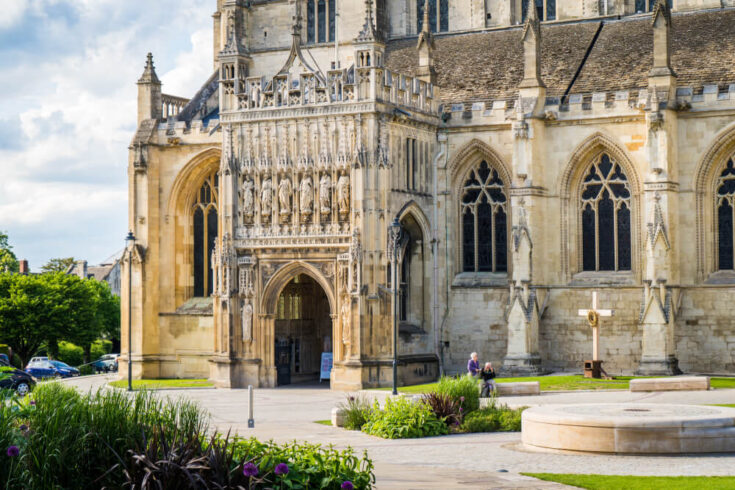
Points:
point(457, 175)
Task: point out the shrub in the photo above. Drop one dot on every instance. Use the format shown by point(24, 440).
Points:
point(445, 408)
point(493, 419)
point(357, 410)
point(459, 387)
point(70, 353)
point(403, 418)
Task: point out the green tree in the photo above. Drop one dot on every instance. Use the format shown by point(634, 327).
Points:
point(58, 264)
point(8, 260)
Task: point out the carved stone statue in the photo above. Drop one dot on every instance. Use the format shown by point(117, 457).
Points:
point(248, 203)
point(247, 321)
point(307, 195)
point(266, 197)
point(343, 194)
point(345, 314)
point(325, 195)
point(284, 195)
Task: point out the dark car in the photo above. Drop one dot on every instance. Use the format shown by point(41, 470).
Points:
point(50, 369)
point(15, 379)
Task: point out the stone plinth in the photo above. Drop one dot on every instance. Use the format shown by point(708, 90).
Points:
point(630, 428)
point(338, 417)
point(520, 388)
point(682, 383)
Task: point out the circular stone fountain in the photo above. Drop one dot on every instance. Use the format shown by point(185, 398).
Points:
point(631, 428)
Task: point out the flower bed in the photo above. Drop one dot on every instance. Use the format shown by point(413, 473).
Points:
point(61, 439)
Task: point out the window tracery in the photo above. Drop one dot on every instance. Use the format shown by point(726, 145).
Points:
point(725, 201)
point(320, 20)
point(605, 204)
point(484, 225)
point(204, 215)
point(438, 21)
point(546, 9)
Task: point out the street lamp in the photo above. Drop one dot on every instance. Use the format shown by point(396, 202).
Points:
point(394, 248)
point(129, 244)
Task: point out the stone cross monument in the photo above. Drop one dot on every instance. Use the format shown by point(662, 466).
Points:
point(594, 368)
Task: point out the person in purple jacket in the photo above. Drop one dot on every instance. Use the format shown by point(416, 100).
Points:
point(473, 365)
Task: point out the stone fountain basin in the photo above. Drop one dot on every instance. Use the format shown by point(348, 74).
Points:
point(630, 428)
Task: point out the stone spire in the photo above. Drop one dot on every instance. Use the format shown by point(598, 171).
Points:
point(368, 32)
point(425, 47)
point(661, 21)
point(149, 93)
point(532, 50)
point(149, 73)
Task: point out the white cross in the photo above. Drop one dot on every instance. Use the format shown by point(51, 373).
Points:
point(595, 330)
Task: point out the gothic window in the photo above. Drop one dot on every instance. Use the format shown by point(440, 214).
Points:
point(647, 5)
point(605, 211)
point(484, 224)
point(546, 9)
point(411, 164)
point(438, 23)
point(205, 234)
point(725, 201)
point(320, 20)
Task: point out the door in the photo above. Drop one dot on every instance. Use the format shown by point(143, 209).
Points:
point(283, 362)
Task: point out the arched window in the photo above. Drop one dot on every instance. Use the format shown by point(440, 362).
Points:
point(605, 207)
point(484, 226)
point(320, 20)
point(647, 5)
point(725, 200)
point(546, 9)
point(437, 23)
point(205, 234)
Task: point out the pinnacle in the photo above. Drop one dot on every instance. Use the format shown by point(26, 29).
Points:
point(149, 73)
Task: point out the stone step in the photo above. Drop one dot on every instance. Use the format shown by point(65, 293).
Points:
point(675, 383)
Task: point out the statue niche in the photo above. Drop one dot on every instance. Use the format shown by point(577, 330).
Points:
point(307, 197)
point(266, 198)
point(325, 198)
point(284, 197)
point(248, 201)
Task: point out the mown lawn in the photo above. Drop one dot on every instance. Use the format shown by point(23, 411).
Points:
point(605, 482)
point(569, 383)
point(323, 422)
point(155, 384)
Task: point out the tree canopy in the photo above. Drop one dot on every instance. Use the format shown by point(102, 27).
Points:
point(45, 309)
point(8, 260)
point(58, 264)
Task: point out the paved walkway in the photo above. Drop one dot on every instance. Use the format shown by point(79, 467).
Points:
point(459, 461)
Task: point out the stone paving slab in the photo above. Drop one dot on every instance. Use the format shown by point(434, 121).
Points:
point(458, 461)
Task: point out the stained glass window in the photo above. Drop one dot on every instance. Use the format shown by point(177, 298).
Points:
point(443, 18)
point(484, 221)
point(320, 20)
point(310, 29)
point(205, 234)
point(546, 9)
point(605, 217)
point(725, 197)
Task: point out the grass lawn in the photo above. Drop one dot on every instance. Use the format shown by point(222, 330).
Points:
point(600, 482)
point(731, 405)
point(155, 384)
point(568, 383)
point(323, 422)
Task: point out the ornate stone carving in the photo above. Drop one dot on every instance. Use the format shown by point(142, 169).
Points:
point(307, 196)
point(247, 321)
point(355, 261)
point(325, 194)
point(284, 196)
point(266, 197)
point(248, 201)
point(343, 195)
point(345, 313)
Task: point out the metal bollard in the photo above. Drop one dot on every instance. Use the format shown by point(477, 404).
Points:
point(251, 421)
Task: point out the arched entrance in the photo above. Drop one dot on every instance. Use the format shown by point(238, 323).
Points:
point(302, 331)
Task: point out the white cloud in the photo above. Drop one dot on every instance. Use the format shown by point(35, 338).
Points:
point(67, 113)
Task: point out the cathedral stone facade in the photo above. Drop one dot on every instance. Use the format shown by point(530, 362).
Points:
point(532, 151)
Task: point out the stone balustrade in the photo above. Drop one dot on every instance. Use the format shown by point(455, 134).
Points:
point(172, 105)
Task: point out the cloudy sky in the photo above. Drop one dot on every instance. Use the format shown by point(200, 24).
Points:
point(68, 112)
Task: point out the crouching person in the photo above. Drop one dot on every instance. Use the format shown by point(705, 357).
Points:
point(487, 375)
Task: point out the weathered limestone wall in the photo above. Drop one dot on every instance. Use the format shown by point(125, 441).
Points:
point(186, 345)
point(565, 339)
point(476, 323)
point(705, 330)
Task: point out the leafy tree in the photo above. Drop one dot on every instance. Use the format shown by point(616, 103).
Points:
point(58, 264)
point(8, 260)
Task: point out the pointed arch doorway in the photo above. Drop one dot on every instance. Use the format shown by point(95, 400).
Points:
point(302, 331)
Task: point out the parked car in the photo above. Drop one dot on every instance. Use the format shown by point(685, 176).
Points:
point(12, 378)
point(66, 370)
point(106, 363)
point(4, 358)
point(38, 359)
point(48, 369)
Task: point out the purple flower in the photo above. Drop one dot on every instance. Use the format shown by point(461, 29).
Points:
point(13, 451)
point(33, 402)
point(347, 485)
point(249, 470)
point(460, 409)
point(23, 427)
point(281, 469)
point(461, 398)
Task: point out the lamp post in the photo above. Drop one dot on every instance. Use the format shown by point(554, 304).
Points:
point(394, 238)
point(129, 244)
